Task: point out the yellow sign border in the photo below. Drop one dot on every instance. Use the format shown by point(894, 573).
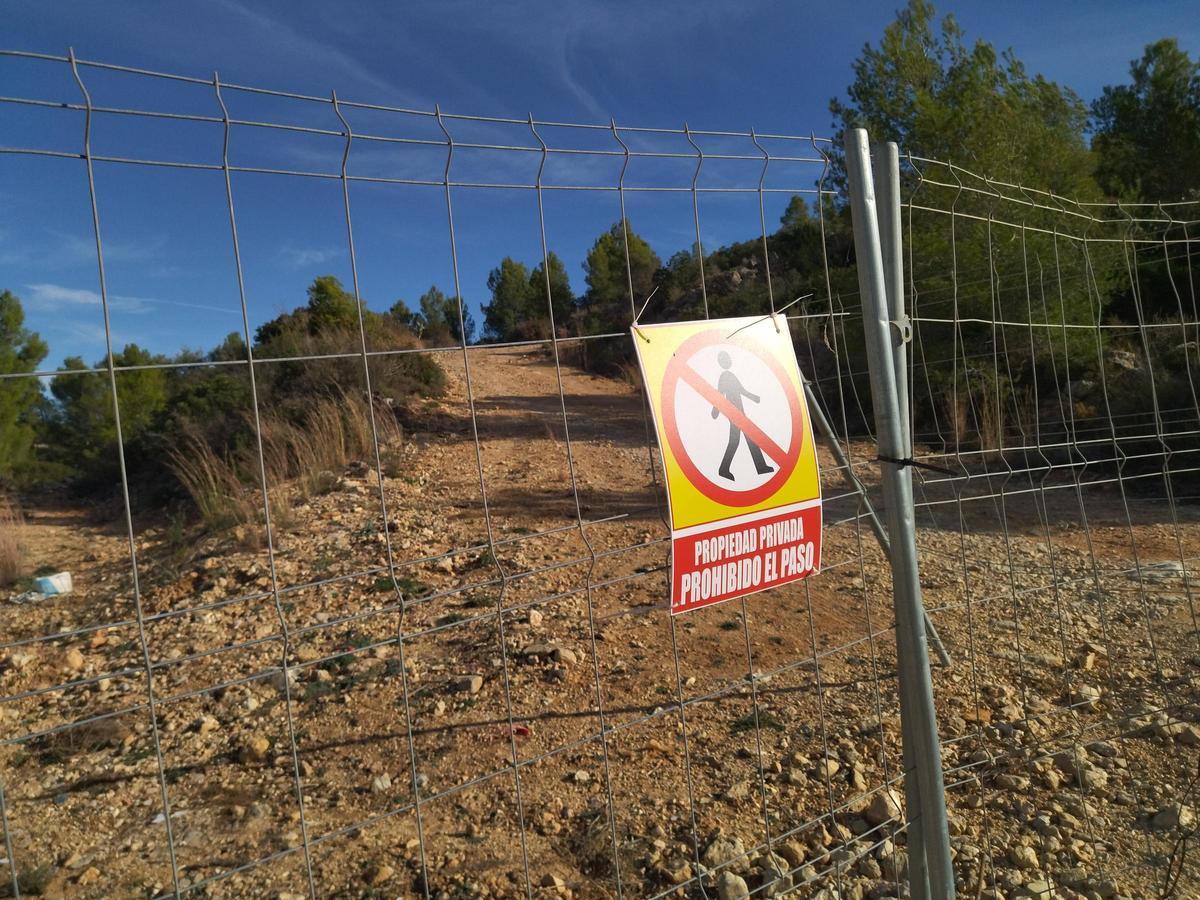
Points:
point(656, 346)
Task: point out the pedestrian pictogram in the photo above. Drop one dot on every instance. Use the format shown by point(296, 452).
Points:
point(729, 387)
point(737, 450)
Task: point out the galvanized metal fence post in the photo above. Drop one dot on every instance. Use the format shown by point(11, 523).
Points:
point(922, 748)
point(886, 169)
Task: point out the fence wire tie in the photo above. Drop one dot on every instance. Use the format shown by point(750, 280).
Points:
point(649, 297)
point(773, 317)
point(638, 317)
point(909, 461)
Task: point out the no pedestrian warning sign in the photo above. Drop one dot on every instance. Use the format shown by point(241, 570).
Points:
point(737, 449)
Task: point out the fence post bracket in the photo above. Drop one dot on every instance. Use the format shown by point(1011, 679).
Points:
point(903, 327)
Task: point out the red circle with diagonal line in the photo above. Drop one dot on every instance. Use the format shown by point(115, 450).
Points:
point(677, 371)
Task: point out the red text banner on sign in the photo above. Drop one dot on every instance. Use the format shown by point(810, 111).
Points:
point(713, 563)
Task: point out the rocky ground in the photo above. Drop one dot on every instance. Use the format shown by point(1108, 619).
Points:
point(294, 738)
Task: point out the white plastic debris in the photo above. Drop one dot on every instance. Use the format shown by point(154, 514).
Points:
point(58, 583)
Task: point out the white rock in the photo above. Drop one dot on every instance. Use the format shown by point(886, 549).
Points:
point(1084, 696)
point(1009, 782)
point(378, 874)
point(724, 850)
point(776, 877)
point(827, 768)
point(1039, 888)
point(284, 679)
point(469, 684)
point(1173, 815)
point(739, 790)
point(1023, 857)
point(256, 748)
point(1091, 777)
point(884, 806)
point(565, 655)
point(732, 887)
point(1189, 735)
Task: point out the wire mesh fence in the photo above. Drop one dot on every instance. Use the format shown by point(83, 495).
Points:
point(1057, 543)
point(420, 644)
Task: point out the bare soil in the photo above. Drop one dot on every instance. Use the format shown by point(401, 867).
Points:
point(540, 566)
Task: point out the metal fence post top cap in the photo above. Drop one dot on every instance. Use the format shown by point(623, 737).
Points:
point(886, 149)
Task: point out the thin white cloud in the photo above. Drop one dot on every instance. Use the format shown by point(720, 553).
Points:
point(10, 253)
point(571, 31)
point(563, 70)
point(417, 163)
point(83, 332)
point(54, 249)
point(73, 249)
point(50, 297)
point(279, 35)
point(306, 257)
point(56, 295)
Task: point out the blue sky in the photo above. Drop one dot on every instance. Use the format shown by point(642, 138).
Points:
point(716, 65)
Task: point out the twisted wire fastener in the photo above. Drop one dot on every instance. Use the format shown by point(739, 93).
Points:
point(908, 461)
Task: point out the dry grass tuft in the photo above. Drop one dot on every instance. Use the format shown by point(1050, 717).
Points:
point(226, 489)
point(88, 737)
point(12, 549)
